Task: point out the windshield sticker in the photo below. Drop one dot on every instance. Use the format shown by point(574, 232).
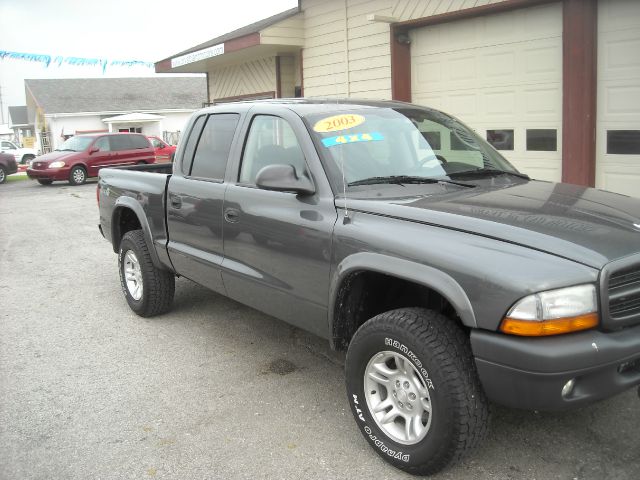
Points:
point(338, 122)
point(358, 137)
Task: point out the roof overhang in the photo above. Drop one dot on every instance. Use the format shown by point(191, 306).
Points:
point(250, 43)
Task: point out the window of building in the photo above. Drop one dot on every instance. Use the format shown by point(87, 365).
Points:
point(212, 152)
point(271, 141)
point(623, 142)
point(501, 139)
point(542, 140)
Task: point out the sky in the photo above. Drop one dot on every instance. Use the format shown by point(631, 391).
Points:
point(147, 30)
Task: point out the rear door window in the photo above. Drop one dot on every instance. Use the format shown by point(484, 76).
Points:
point(121, 142)
point(190, 147)
point(212, 151)
point(139, 142)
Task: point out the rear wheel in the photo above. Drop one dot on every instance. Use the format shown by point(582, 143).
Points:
point(3, 175)
point(414, 389)
point(45, 182)
point(148, 289)
point(78, 175)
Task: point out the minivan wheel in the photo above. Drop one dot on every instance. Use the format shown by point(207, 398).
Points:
point(148, 289)
point(414, 390)
point(3, 175)
point(78, 175)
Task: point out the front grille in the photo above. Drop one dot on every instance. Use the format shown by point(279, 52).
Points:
point(39, 165)
point(624, 295)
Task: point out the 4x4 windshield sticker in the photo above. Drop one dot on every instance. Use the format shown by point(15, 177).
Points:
point(338, 122)
point(358, 137)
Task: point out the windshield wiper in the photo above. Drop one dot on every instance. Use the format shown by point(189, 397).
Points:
point(482, 172)
point(404, 179)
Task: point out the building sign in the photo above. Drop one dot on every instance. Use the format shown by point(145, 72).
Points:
point(197, 56)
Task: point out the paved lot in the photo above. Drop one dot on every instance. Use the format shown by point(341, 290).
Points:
point(212, 389)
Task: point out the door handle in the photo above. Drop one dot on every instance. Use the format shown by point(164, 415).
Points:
point(231, 215)
point(176, 202)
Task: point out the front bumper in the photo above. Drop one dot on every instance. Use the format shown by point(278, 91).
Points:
point(529, 373)
point(49, 174)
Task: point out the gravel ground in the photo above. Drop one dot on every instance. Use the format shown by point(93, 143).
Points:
point(213, 389)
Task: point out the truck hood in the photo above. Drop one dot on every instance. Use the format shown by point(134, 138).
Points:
point(586, 225)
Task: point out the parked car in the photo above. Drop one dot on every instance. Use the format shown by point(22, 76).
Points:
point(164, 151)
point(7, 166)
point(82, 156)
point(22, 155)
point(449, 277)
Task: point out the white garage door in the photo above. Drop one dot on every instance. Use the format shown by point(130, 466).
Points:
point(618, 123)
point(502, 75)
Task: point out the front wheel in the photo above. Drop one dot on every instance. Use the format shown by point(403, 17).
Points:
point(414, 391)
point(27, 159)
point(77, 176)
point(3, 175)
point(148, 289)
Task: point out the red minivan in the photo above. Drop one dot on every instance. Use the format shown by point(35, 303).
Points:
point(81, 156)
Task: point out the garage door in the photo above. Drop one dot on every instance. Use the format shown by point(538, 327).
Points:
point(618, 122)
point(502, 75)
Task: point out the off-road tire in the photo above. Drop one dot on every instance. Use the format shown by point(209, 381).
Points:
point(77, 175)
point(45, 182)
point(439, 351)
point(158, 285)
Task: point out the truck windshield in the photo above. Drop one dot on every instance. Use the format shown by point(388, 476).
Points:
point(385, 145)
point(75, 144)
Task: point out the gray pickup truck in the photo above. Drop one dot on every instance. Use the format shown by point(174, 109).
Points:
point(394, 231)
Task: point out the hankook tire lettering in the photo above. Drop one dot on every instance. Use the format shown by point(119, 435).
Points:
point(389, 342)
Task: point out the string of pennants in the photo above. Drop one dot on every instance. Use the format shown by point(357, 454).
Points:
point(58, 60)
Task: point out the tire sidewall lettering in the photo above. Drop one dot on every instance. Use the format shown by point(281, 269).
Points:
point(373, 438)
point(390, 342)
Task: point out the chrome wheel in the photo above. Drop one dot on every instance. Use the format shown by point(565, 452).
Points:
point(133, 275)
point(78, 176)
point(397, 397)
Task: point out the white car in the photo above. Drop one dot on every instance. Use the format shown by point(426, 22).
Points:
point(22, 155)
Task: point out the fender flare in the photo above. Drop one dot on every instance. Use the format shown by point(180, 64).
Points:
point(133, 205)
point(425, 275)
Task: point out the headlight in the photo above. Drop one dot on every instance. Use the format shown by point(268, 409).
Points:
point(553, 312)
point(56, 165)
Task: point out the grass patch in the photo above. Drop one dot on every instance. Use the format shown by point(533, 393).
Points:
point(16, 178)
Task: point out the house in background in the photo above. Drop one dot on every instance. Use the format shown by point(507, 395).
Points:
point(156, 106)
point(553, 84)
point(21, 127)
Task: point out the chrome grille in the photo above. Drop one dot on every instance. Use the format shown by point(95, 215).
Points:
point(39, 165)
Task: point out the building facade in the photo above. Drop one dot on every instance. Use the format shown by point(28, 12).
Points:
point(554, 85)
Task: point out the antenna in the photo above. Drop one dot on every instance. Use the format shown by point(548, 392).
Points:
point(344, 190)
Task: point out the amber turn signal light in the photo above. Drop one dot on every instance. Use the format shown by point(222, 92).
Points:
point(557, 326)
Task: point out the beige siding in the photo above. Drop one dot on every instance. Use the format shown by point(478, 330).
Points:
point(287, 76)
point(337, 33)
point(287, 32)
point(246, 78)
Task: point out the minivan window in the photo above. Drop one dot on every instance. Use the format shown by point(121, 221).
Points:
point(102, 144)
point(139, 141)
point(212, 152)
point(75, 144)
point(121, 142)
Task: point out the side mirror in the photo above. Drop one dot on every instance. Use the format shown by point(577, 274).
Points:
point(283, 178)
point(93, 150)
